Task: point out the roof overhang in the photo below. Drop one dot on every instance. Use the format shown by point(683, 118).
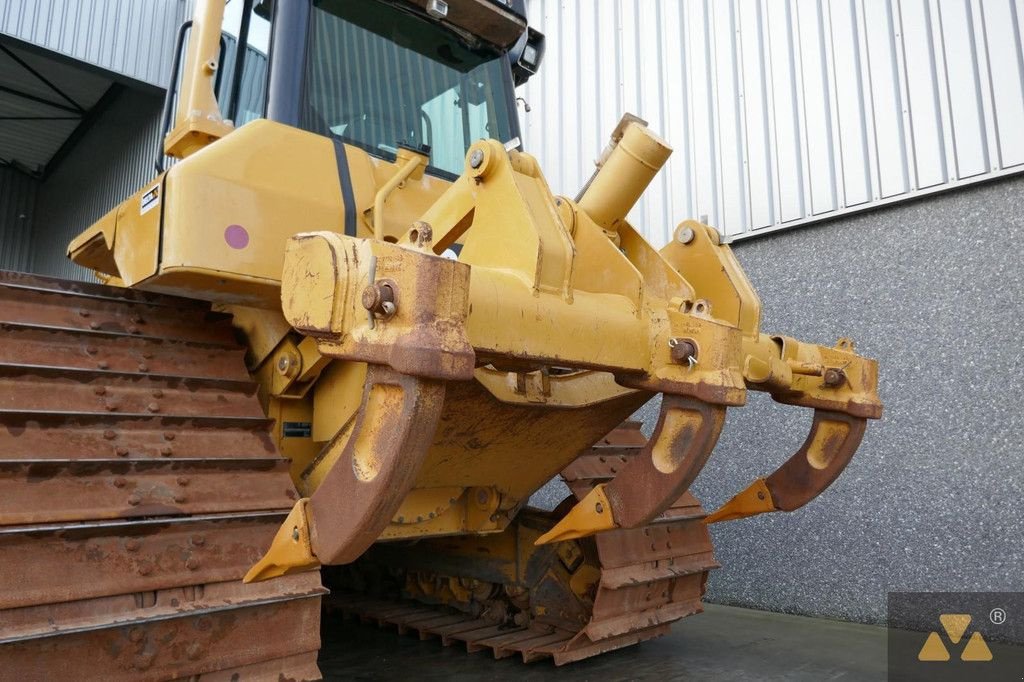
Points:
point(44, 100)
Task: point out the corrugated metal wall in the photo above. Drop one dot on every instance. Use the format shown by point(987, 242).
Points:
point(17, 202)
point(108, 164)
point(782, 112)
point(134, 38)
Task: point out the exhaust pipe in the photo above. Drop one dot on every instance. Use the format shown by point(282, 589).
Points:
point(633, 157)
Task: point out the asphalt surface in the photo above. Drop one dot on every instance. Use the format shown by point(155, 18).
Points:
point(723, 643)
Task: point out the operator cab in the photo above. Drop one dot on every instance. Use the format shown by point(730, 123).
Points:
point(427, 75)
point(294, 116)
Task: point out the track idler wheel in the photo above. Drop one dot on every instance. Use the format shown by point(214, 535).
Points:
point(683, 439)
point(830, 445)
point(378, 459)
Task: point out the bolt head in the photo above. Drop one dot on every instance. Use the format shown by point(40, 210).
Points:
point(834, 377)
point(682, 350)
point(371, 297)
point(685, 235)
point(476, 159)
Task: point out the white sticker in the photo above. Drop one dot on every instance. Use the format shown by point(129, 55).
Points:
point(149, 200)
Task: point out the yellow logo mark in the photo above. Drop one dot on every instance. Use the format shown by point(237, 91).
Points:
point(955, 625)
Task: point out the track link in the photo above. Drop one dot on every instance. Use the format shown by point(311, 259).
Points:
point(138, 483)
point(647, 578)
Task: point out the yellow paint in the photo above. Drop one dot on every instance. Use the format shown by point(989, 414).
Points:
point(955, 625)
point(755, 499)
point(198, 121)
point(590, 515)
point(290, 550)
point(557, 321)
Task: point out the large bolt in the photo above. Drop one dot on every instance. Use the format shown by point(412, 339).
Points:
point(379, 299)
point(682, 350)
point(834, 377)
point(685, 235)
point(476, 159)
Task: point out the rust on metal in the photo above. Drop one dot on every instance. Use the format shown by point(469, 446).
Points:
point(379, 463)
point(648, 484)
point(138, 482)
point(646, 578)
point(833, 439)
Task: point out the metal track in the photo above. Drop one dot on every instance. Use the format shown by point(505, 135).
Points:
point(649, 577)
point(138, 483)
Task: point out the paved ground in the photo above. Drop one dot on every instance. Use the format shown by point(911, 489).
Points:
point(723, 643)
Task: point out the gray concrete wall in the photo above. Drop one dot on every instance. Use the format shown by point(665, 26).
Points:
point(934, 499)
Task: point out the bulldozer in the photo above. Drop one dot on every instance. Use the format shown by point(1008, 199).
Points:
point(339, 342)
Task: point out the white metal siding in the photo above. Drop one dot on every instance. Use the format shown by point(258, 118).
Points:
point(782, 112)
point(134, 38)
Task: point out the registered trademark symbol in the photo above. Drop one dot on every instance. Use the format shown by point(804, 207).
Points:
point(997, 616)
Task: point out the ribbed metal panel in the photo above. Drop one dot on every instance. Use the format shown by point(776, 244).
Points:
point(17, 202)
point(111, 162)
point(134, 38)
point(782, 112)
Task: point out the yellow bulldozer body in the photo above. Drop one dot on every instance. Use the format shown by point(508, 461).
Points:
point(430, 352)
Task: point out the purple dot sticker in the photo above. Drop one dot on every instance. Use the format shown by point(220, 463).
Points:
point(236, 236)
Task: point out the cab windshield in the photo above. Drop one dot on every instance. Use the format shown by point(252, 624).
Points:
point(378, 77)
